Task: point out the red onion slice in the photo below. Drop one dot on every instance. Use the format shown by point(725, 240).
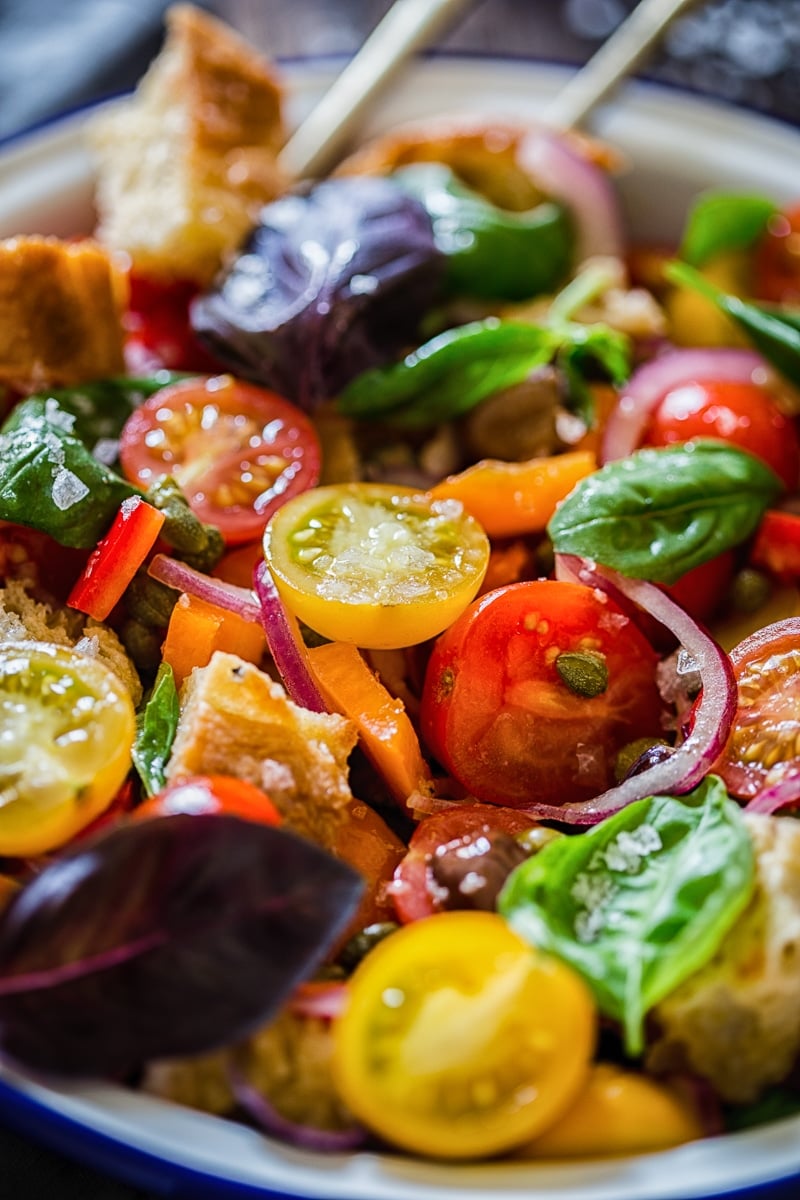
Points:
point(285, 643)
point(713, 715)
point(645, 389)
point(582, 186)
point(184, 578)
point(778, 795)
point(307, 1137)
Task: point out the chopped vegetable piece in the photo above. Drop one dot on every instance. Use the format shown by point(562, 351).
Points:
point(117, 558)
point(510, 498)
point(197, 629)
point(211, 794)
point(777, 545)
point(387, 736)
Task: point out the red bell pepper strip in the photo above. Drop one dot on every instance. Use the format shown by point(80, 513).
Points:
point(116, 558)
point(777, 545)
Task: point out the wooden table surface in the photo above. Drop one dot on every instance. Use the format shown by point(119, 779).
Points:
point(747, 51)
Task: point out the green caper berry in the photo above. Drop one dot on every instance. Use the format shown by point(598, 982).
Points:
point(537, 837)
point(631, 753)
point(750, 589)
point(143, 644)
point(364, 941)
point(584, 673)
point(150, 602)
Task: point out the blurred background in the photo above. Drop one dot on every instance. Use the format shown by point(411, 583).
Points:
point(56, 55)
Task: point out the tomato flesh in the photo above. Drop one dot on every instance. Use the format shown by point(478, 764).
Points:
point(459, 1041)
point(740, 413)
point(238, 451)
point(777, 260)
point(498, 714)
point(68, 727)
point(373, 564)
point(763, 743)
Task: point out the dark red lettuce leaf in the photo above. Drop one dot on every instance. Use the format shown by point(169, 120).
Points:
point(165, 937)
point(329, 283)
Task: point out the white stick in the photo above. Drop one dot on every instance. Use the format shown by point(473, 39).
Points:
point(615, 59)
point(409, 26)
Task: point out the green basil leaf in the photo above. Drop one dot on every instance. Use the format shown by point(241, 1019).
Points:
point(155, 731)
point(50, 481)
point(719, 222)
point(639, 902)
point(660, 512)
point(774, 334)
point(450, 374)
point(94, 412)
point(491, 252)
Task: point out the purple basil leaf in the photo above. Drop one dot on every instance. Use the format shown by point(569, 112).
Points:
point(164, 937)
point(330, 283)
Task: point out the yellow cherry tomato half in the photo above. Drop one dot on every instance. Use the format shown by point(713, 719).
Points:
point(459, 1041)
point(67, 725)
point(619, 1112)
point(373, 564)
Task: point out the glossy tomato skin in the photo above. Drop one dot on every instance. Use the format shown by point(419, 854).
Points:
point(498, 714)
point(762, 746)
point(413, 890)
point(215, 794)
point(159, 335)
point(238, 451)
point(742, 414)
point(777, 260)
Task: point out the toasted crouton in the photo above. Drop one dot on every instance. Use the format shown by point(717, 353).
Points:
point(60, 312)
point(24, 618)
point(235, 720)
point(736, 1022)
point(184, 166)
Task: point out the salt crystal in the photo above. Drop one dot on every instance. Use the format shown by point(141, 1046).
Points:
point(67, 489)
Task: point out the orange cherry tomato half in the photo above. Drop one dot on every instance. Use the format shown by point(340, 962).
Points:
point(238, 451)
point(211, 794)
point(742, 414)
point(506, 705)
point(763, 742)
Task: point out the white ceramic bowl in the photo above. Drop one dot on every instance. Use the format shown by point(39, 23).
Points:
point(677, 146)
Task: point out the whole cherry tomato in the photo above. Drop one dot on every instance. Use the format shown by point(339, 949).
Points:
point(743, 414)
point(211, 794)
point(531, 693)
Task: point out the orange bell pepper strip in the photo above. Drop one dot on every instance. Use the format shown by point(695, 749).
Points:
point(388, 738)
point(117, 557)
point(516, 498)
point(197, 629)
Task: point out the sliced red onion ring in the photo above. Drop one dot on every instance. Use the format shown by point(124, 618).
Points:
point(581, 185)
point(778, 795)
point(713, 716)
point(184, 578)
point(308, 1137)
point(285, 643)
point(648, 385)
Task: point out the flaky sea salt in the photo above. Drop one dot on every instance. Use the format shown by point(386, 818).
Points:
point(67, 489)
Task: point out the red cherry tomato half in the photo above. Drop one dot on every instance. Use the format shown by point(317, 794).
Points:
point(743, 414)
point(158, 332)
point(413, 890)
point(777, 260)
point(498, 710)
point(702, 590)
point(238, 451)
point(763, 742)
point(214, 794)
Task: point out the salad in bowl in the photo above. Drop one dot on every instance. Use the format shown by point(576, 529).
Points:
point(399, 640)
